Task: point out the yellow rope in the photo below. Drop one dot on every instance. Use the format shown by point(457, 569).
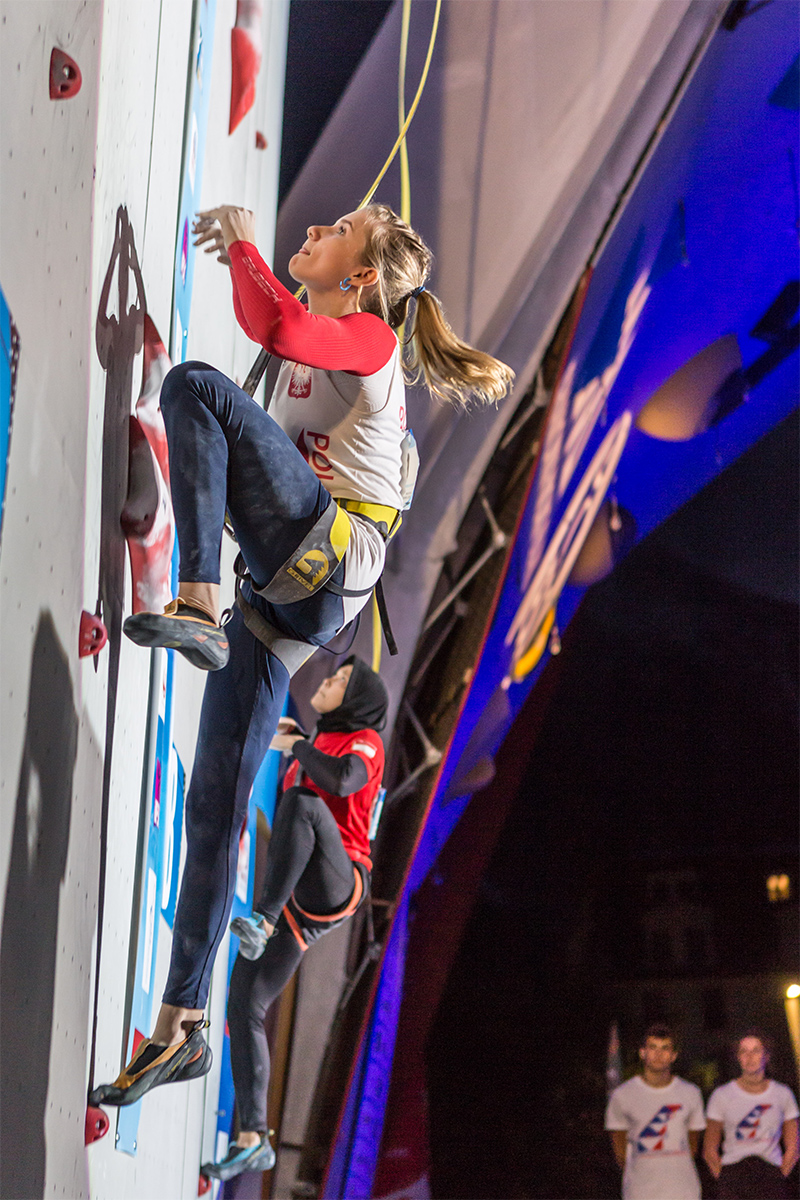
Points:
point(405, 177)
point(377, 632)
point(411, 111)
point(405, 201)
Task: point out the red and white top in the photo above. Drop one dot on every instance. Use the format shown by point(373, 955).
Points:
point(352, 813)
point(340, 397)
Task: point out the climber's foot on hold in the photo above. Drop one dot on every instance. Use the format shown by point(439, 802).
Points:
point(185, 628)
point(260, 1157)
point(253, 934)
point(154, 1064)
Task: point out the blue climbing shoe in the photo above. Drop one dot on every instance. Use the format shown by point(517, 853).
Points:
point(251, 934)
point(239, 1159)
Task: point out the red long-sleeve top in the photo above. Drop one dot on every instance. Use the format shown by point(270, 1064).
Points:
point(359, 343)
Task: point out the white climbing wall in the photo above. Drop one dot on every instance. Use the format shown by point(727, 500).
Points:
point(66, 168)
point(49, 782)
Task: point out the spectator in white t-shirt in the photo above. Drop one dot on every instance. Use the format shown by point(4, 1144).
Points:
point(655, 1120)
point(756, 1114)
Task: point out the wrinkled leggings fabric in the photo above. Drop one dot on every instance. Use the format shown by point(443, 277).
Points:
point(226, 451)
point(306, 856)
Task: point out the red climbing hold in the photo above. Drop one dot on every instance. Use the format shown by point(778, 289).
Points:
point(65, 75)
point(204, 1185)
point(261, 141)
point(146, 517)
point(93, 636)
point(245, 59)
point(96, 1125)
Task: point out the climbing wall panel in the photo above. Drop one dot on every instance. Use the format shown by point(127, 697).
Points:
point(50, 756)
point(146, 57)
point(46, 191)
point(89, 189)
point(174, 1130)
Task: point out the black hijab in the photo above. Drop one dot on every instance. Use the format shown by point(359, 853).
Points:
point(364, 704)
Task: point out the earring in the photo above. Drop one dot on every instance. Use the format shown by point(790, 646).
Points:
point(345, 284)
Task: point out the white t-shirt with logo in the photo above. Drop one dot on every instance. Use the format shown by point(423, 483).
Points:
point(752, 1121)
point(657, 1120)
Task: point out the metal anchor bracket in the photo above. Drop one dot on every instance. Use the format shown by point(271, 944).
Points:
point(499, 542)
point(431, 756)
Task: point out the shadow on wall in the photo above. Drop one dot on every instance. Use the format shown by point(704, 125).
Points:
point(119, 337)
point(30, 921)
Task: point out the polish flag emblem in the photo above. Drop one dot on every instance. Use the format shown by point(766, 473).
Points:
point(300, 383)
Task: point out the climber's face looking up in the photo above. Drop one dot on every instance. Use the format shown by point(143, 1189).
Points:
point(333, 254)
point(330, 693)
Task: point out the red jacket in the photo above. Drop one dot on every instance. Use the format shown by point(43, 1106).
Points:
point(352, 813)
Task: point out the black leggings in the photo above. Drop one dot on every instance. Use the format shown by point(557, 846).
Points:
point(306, 860)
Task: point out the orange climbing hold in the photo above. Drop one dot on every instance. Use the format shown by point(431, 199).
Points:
point(65, 75)
point(245, 59)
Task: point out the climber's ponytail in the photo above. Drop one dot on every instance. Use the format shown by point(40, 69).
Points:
point(449, 367)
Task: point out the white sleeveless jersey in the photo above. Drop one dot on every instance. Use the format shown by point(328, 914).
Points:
point(349, 429)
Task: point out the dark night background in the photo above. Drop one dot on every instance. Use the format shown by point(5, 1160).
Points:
point(315, 77)
point(670, 744)
point(669, 751)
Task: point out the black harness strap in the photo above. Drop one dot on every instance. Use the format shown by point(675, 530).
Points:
point(384, 615)
point(291, 651)
point(383, 611)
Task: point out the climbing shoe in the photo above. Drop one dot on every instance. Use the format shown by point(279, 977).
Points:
point(252, 936)
point(153, 1065)
point(184, 628)
point(260, 1157)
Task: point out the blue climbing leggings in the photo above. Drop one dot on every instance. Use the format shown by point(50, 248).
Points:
point(226, 451)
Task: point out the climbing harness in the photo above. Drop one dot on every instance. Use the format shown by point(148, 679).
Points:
point(311, 567)
point(309, 927)
point(290, 651)
point(387, 521)
point(313, 563)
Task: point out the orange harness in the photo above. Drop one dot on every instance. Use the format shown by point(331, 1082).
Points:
point(341, 915)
